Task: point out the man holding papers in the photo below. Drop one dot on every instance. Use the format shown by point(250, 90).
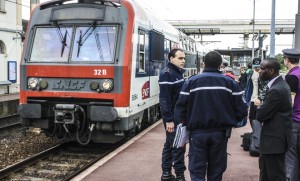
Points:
point(170, 83)
point(210, 104)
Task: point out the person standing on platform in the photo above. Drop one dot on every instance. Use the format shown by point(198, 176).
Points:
point(210, 104)
point(249, 69)
point(228, 71)
point(275, 113)
point(170, 83)
point(255, 89)
point(291, 61)
point(242, 78)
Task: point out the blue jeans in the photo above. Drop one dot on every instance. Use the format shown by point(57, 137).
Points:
point(172, 155)
point(208, 155)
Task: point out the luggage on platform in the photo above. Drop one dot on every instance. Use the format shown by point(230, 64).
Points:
point(246, 141)
point(250, 141)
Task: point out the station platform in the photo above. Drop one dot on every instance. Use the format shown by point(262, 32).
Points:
point(9, 97)
point(140, 159)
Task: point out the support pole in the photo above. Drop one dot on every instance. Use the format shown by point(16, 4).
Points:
point(253, 25)
point(272, 34)
point(297, 28)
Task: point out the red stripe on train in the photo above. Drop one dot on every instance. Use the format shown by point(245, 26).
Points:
point(70, 71)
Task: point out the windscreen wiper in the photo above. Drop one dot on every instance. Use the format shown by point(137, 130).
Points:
point(64, 44)
point(84, 37)
point(63, 39)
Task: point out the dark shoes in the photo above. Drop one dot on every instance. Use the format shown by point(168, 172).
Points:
point(180, 177)
point(167, 176)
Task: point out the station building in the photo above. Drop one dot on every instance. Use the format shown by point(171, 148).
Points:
point(11, 44)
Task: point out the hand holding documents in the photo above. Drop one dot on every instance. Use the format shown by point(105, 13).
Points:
point(181, 137)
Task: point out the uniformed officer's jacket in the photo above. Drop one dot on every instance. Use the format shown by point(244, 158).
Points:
point(210, 101)
point(170, 83)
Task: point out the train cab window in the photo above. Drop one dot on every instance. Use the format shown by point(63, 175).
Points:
point(51, 44)
point(95, 44)
point(142, 41)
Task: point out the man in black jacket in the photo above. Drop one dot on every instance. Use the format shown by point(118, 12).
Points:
point(275, 113)
point(211, 104)
point(170, 83)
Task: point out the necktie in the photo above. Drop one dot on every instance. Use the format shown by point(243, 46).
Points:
point(267, 88)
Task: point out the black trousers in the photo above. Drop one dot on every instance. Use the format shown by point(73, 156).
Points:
point(172, 156)
point(252, 113)
point(271, 167)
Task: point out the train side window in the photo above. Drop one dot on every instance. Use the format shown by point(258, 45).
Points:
point(157, 41)
point(142, 53)
point(2, 48)
point(2, 5)
point(167, 49)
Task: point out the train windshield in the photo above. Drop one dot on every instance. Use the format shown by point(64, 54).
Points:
point(51, 45)
point(95, 44)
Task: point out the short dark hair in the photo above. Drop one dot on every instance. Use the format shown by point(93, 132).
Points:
point(273, 63)
point(225, 64)
point(213, 59)
point(249, 65)
point(172, 53)
point(293, 60)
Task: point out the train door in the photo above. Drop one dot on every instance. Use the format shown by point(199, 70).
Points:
point(140, 87)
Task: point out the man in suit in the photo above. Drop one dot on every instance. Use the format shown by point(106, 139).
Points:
point(275, 113)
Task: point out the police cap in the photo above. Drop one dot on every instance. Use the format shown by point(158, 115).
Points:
point(256, 62)
point(291, 53)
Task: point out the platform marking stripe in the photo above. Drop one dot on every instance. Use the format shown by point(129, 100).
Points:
point(114, 153)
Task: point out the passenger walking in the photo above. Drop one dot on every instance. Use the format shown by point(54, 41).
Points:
point(275, 113)
point(210, 104)
point(170, 83)
point(291, 61)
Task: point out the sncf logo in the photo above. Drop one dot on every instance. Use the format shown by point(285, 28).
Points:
point(146, 90)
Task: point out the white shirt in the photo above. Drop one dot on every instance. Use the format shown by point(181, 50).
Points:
point(272, 81)
point(254, 79)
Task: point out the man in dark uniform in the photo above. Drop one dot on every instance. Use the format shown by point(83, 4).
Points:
point(211, 104)
point(170, 83)
point(275, 113)
point(291, 61)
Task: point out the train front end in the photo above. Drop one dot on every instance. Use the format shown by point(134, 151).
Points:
point(75, 70)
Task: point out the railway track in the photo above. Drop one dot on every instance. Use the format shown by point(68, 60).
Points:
point(62, 162)
point(9, 122)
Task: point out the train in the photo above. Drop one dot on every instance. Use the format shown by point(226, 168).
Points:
point(89, 68)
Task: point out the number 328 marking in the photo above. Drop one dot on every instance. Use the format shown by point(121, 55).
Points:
point(100, 72)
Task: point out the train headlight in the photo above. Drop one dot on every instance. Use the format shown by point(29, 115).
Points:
point(33, 83)
point(106, 85)
point(94, 85)
point(43, 84)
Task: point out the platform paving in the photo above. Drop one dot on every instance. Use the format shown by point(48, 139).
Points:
point(140, 160)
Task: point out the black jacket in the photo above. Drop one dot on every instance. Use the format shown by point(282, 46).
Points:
point(276, 115)
point(170, 83)
point(210, 101)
